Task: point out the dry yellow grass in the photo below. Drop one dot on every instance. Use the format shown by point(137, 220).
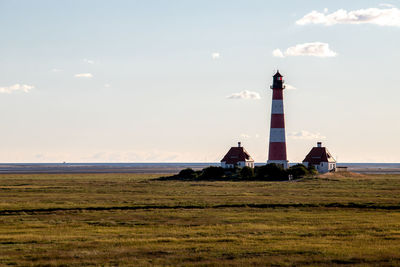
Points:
point(129, 219)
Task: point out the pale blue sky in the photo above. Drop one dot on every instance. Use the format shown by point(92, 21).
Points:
point(151, 90)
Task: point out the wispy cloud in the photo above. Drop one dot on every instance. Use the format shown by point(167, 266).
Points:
point(137, 156)
point(386, 5)
point(15, 88)
point(56, 70)
point(305, 135)
point(84, 75)
point(88, 61)
point(244, 95)
point(315, 49)
point(290, 87)
point(248, 136)
point(107, 85)
point(215, 55)
point(245, 136)
point(379, 16)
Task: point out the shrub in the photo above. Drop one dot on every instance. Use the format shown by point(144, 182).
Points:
point(187, 174)
point(311, 170)
point(232, 172)
point(271, 172)
point(247, 173)
point(298, 170)
point(212, 173)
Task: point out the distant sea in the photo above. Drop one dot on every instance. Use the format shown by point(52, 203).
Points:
point(377, 168)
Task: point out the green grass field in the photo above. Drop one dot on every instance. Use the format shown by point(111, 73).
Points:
point(131, 219)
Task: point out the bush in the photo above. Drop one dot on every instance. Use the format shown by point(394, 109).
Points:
point(187, 174)
point(298, 170)
point(247, 173)
point(312, 170)
point(232, 173)
point(212, 173)
point(270, 172)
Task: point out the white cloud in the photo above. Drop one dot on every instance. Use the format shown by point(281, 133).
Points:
point(245, 136)
point(305, 135)
point(290, 87)
point(277, 53)
point(107, 85)
point(378, 16)
point(88, 61)
point(56, 70)
point(245, 95)
point(386, 5)
point(215, 55)
point(316, 49)
point(15, 88)
point(83, 75)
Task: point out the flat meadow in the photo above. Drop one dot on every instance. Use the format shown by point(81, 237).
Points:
point(137, 220)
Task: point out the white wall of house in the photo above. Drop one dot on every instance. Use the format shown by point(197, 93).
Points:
point(247, 164)
point(240, 164)
point(226, 166)
point(250, 164)
point(332, 166)
point(323, 167)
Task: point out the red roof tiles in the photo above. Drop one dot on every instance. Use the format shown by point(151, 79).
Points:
point(318, 155)
point(236, 154)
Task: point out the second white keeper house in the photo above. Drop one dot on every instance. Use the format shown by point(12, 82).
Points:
point(321, 159)
point(237, 157)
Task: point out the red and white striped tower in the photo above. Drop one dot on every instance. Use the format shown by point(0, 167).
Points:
point(277, 139)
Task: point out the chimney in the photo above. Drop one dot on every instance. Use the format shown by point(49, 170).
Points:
point(239, 143)
point(319, 144)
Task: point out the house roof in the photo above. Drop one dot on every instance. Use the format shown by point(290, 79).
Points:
point(318, 155)
point(277, 74)
point(236, 154)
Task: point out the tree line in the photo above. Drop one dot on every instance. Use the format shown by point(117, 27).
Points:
point(268, 172)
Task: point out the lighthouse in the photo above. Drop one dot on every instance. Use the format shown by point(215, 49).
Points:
point(277, 139)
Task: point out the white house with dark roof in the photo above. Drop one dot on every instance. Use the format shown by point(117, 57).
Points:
point(321, 159)
point(237, 157)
